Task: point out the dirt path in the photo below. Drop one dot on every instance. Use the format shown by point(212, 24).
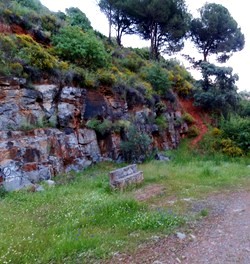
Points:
point(222, 237)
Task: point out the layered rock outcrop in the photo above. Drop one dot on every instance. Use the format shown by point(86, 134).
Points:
point(43, 128)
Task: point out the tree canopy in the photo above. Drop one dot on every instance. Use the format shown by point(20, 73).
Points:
point(81, 48)
point(163, 22)
point(218, 91)
point(76, 17)
point(117, 13)
point(216, 32)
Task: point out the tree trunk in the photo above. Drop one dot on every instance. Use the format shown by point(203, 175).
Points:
point(110, 23)
point(205, 54)
point(153, 40)
point(119, 35)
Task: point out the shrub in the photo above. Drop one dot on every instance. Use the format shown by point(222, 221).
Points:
point(41, 122)
point(228, 147)
point(34, 54)
point(181, 80)
point(237, 129)
point(31, 4)
point(216, 132)
point(93, 123)
point(132, 62)
point(101, 127)
point(16, 68)
point(3, 192)
point(121, 124)
point(160, 107)
point(188, 118)
point(90, 79)
point(50, 23)
point(81, 48)
point(144, 53)
point(161, 122)
point(217, 91)
point(76, 17)
point(157, 77)
point(136, 147)
point(106, 77)
point(193, 131)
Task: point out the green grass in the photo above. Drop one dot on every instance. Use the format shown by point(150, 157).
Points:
point(80, 220)
point(76, 222)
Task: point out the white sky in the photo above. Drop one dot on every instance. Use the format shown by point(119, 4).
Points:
point(238, 9)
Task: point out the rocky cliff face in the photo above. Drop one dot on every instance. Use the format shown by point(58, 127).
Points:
point(43, 128)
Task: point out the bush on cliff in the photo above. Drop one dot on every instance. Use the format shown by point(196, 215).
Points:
point(80, 48)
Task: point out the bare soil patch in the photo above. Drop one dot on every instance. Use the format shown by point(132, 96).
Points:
point(221, 237)
point(149, 191)
point(199, 116)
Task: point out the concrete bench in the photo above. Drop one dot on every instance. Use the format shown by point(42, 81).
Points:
point(125, 176)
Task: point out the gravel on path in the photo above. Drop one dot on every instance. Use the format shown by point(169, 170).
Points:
point(223, 237)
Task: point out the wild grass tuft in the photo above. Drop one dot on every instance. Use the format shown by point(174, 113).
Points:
point(81, 220)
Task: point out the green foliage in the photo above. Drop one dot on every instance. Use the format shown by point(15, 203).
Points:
point(121, 125)
point(163, 22)
point(81, 48)
point(216, 32)
point(105, 127)
point(244, 107)
point(116, 12)
point(188, 118)
point(50, 23)
point(8, 50)
point(25, 13)
point(136, 146)
point(79, 218)
point(106, 77)
point(228, 147)
point(85, 223)
point(102, 127)
point(193, 131)
point(41, 122)
point(3, 192)
point(216, 132)
point(216, 141)
point(181, 79)
point(161, 122)
point(132, 62)
point(34, 54)
point(144, 53)
point(90, 79)
point(218, 91)
point(76, 17)
point(20, 53)
point(237, 129)
point(157, 77)
point(93, 123)
point(16, 69)
point(31, 4)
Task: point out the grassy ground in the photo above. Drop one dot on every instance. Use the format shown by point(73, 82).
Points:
point(80, 220)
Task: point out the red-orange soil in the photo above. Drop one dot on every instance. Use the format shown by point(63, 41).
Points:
point(199, 117)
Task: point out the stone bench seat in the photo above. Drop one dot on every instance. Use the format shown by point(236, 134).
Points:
point(125, 176)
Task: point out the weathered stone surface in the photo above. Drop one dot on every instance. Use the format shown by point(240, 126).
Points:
point(45, 152)
point(88, 143)
point(49, 93)
point(125, 176)
point(161, 157)
point(14, 179)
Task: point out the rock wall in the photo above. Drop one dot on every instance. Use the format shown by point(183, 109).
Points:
point(43, 128)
